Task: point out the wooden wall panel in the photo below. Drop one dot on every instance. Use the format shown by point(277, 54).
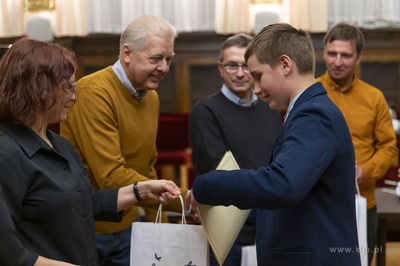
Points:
point(194, 73)
point(385, 76)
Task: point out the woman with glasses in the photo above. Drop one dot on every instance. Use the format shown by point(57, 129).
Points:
point(45, 187)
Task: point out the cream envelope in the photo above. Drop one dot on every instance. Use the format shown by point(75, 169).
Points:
point(222, 224)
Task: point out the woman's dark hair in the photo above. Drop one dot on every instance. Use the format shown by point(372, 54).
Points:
point(34, 76)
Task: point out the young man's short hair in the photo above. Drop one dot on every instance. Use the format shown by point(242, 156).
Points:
point(283, 39)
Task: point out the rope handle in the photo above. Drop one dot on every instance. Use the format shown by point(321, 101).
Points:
point(158, 217)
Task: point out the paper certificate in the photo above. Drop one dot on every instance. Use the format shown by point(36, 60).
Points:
point(222, 224)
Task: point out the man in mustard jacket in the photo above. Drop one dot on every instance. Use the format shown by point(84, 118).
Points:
point(366, 112)
point(113, 126)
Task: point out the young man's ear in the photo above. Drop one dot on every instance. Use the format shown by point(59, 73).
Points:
point(286, 64)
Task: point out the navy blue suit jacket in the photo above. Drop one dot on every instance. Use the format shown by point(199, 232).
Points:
point(305, 196)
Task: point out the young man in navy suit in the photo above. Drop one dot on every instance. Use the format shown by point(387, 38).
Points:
point(306, 195)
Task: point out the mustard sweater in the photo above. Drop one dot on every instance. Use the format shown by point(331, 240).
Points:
point(115, 135)
point(370, 123)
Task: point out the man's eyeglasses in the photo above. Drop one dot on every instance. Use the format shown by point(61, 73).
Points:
point(233, 67)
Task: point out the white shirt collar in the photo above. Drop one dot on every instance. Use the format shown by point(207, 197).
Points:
point(119, 71)
point(291, 105)
point(237, 100)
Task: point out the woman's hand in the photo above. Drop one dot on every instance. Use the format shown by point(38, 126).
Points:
point(159, 190)
point(42, 261)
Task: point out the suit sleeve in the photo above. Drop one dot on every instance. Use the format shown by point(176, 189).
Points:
point(306, 151)
point(208, 143)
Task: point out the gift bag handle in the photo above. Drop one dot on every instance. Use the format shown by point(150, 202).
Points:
point(158, 217)
point(357, 188)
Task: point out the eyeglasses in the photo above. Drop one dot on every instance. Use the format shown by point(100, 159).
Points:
point(73, 84)
point(233, 67)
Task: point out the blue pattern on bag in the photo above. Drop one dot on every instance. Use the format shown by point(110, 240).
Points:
point(158, 258)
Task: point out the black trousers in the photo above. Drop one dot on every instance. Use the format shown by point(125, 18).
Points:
point(372, 231)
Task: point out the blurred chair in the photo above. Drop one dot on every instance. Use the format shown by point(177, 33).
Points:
point(389, 181)
point(392, 175)
point(174, 148)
